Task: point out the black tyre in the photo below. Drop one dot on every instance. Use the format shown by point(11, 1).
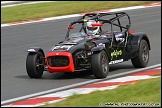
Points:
point(100, 64)
point(35, 65)
point(142, 59)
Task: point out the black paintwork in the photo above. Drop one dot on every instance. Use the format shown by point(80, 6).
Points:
point(82, 47)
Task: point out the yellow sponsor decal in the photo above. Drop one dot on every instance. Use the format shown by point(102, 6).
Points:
point(115, 53)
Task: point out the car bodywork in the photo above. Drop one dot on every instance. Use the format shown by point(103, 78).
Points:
point(79, 51)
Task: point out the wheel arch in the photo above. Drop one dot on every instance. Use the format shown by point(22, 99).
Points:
point(99, 49)
point(36, 50)
point(135, 39)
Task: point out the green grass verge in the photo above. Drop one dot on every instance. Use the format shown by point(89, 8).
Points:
point(52, 9)
point(143, 91)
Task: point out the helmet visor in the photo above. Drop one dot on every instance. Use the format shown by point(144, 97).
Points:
point(91, 28)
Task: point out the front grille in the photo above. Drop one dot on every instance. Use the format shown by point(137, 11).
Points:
point(58, 61)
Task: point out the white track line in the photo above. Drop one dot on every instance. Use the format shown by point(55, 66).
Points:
point(78, 84)
point(76, 15)
point(58, 96)
point(17, 3)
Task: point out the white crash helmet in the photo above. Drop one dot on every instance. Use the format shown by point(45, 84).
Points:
point(91, 30)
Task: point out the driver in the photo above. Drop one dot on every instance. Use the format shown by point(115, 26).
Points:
point(95, 31)
point(92, 30)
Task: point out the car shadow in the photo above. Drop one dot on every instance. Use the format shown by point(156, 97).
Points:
point(60, 76)
point(76, 75)
point(88, 75)
point(120, 67)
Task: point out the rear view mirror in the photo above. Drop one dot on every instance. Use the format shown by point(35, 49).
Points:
point(131, 31)
point(70, 27)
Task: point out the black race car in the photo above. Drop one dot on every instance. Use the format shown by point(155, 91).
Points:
point(114, 44)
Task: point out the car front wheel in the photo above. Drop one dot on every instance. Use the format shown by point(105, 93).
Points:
point(100, 64)
point(35, 65)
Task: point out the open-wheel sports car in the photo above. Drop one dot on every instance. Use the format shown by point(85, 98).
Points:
point(114, 43)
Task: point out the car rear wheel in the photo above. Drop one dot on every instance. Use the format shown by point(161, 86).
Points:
point(142, 59)
point(100, 64)
point(35, 65)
